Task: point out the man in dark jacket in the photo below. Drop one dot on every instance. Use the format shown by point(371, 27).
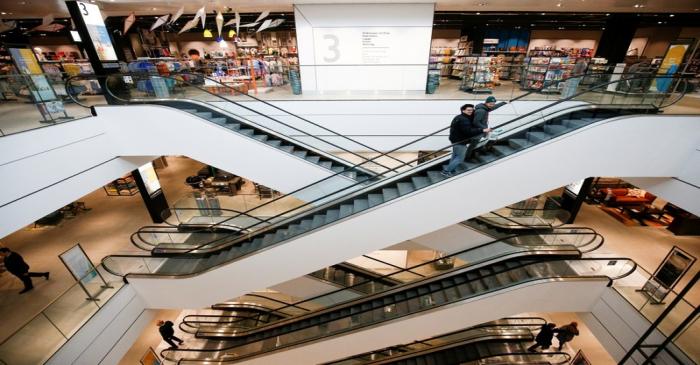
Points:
point(461, 131)
point(481, 112)
point(544, 338)
point(566, 333)
point(14, 263)
point(168, 333)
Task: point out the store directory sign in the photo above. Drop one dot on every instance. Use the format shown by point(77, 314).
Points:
point(371, 45)
point(150, 178)
point(78, 264)
point(98, 31)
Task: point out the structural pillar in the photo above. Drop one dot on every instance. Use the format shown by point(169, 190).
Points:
point(617, 36)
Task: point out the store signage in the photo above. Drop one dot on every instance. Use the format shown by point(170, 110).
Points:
point(371, 45)
point(27, 64)
point(667, 275)
point(490, 40)
point(98, 31)
point(75, 35)
point(150, 178)
point(78, 264)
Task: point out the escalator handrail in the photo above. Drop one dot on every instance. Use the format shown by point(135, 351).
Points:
point(409, 286)
point(509, 219)
point(294, 115)
point(412, 268)
point(390, 264)
point(412, 161)
point(267, 130)
point(372, 186)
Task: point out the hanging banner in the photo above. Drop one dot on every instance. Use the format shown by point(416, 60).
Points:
point(276, 23)
point(160, 21)
point(189, 25)
point(177, 15)
point(219, 22)
point(201, 14)
point(7, 26)
point(129, 21)
point(98, 31)
point(262, 16)
point(265, 25)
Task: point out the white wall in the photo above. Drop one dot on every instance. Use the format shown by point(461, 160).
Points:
point(454, 238)
point(536, 170)
point(348, 47)
point(577, 296)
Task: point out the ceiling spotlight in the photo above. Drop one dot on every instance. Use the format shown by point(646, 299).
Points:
point(672, 15)
point(154, 8)
point(560, 28)
point(603, 28)
point(659, 22)
point(607, 14)
point(3, 13)
point(558, 5)
point(481, 4)
point(532, 25)
point(543, 14)
point(639, 5)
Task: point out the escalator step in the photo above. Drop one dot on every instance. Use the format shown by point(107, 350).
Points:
point(247, 132)
point(536, 137)
point(191, 111)
point(405, 188)
point(219, 121)
point(306, 224)
point(435, 177)
point(503, 150)
point(554, 129)
point(345, 210)
point(518, 143)
point(360, 205)
point(486, 158)
point(205, 115)
point(337, 169)
point(326, 164)
point(268, 239)
point(575, 123)
point(260, 137)
point(390, 193)
point(233, 126)
point(281, 235)
point(299, 153)
point(287, 148)
point(350, 174)
point(313, 159)
point(420, 181)
point(375, 199)
point(274, 142)
point(293, 230)
point(332, 215)
point(318, 221)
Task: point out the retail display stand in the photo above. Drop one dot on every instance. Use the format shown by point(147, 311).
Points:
point(124, 186)
point(441, 60)
point(480, 74)
point(464, 49)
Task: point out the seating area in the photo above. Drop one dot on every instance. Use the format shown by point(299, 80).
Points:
point(624, 197)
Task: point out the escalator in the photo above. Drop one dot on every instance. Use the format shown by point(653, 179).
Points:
point(314, 227)
point(429, 296)
point(505, 338)
point(564, 244)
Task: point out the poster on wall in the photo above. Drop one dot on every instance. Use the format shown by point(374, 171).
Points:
point(667, 275)
point(671, 63)
point(98, 31)
point(150, 178)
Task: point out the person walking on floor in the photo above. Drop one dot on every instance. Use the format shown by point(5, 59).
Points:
point(461, 131)
point(14, 263)
point(566, 333)
point(544, 338)
point(168, 333)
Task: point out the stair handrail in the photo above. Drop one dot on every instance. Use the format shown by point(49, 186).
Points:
point(371, 186)
point(145, 101)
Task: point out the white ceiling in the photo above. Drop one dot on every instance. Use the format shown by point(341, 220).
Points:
point(39, 8)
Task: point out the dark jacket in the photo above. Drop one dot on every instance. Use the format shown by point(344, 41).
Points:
point(166, 330)
point(14, 263)
point(544, 338)
point(566, 333)
point(462, 129)
point(481, 114)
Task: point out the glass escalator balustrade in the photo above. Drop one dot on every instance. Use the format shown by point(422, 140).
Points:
point(418, 297)
point(407, 179)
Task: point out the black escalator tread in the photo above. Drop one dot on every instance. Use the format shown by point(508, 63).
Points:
point(503, 150)
point(575, 123)
point(219, 121)
point(313, 159)
point(420, 181)
point(390, 193)
point(537, 137)
point(345, 210)
point(332, 215)
point(260, 137)
point(555, 130)
point(405, 188)
point(484, 158)
point(247, 132)
point(326, 165)
point(205, 115)
point(360, 205)
point(435, 176)
point(318, 221)
point(519, 143)
point(274, 142)
point(375, 199)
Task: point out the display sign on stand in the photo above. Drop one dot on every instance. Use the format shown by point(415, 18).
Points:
point(672, 62)
point(667, 275)
point(580, 359)
point(41, 91)
point(92, 17)
point(84, 272)
point(150, 358)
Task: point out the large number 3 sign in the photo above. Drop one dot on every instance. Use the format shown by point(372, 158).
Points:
point(332, 48)
point(84, 9)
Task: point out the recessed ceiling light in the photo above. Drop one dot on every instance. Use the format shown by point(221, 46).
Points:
point(478, 13)
point(154, 8)
point(543, 14)
point(672, 15)
point(658, 22)
point(3, 13)
point(558, 5)
point(607, 14)
point(532, 25)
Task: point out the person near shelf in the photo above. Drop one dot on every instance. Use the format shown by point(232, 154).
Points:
point(571, 84)
point(260, 67)
point(462, 133)
point(15, 264)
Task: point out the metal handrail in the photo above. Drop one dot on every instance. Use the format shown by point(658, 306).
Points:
point(310, 148)
point(421, 282)
point(415, 160)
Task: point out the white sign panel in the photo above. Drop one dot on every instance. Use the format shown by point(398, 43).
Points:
point(371, 45)
point(98, 32)
point(79, 264)
point(150, 178)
